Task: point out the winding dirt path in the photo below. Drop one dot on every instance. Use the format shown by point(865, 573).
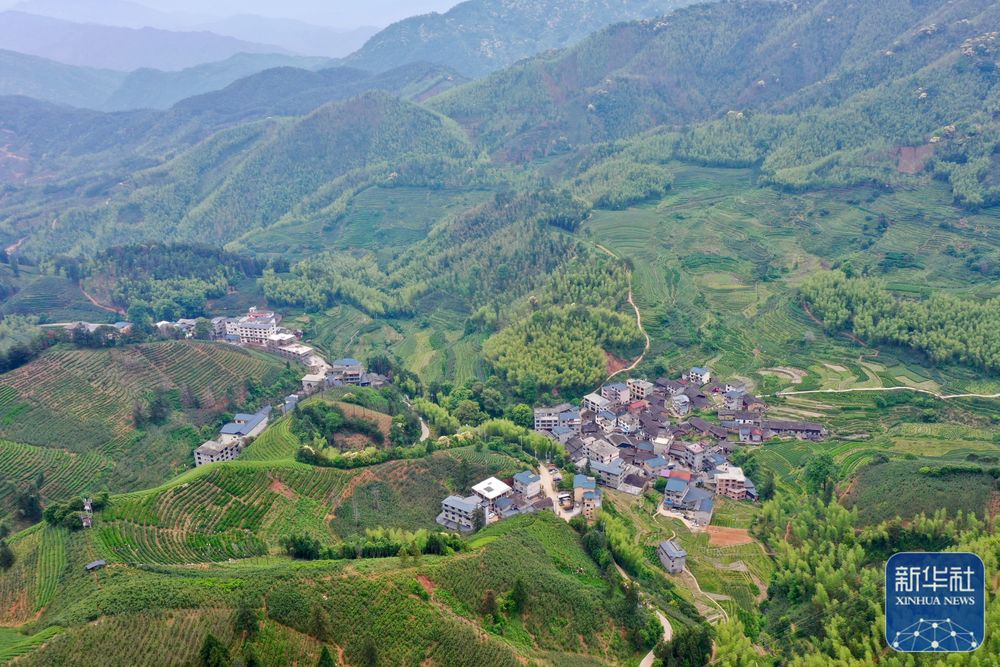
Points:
point(668, 630)
point(638, 320)
point(91, 299)
point(876, 389)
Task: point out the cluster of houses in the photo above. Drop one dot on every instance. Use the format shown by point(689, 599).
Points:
point(236, 435)
point(494, 500)
point(631, 434)
point(342, 372)
point(261, 329)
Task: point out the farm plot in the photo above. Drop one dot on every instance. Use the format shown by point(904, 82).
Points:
point(18, 585)
point(231, 511)
point(276, 443)
point(57, 300)
point(80, 399)
point(174, 637)
point(65, 474)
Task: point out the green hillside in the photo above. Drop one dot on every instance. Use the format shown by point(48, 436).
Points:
point(69, 416)
point(240, 509)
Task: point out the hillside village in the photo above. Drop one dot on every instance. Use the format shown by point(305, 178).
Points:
point(632, 436)
point(261, 330)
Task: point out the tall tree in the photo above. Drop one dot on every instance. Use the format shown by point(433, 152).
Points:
point(214, 653)
point(325, 659)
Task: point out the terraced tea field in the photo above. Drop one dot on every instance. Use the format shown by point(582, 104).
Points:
point(65, 473)
point(56, 300)
point(175, 637)
point(81, 399)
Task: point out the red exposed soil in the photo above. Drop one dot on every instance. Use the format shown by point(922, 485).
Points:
point(427, 584)
point(281, 489)
point(913, 158)
point(727, 537)
point(614, 363)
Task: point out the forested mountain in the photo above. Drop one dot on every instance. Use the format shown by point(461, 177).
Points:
point(480, 36)
point(828, 95)
point(251, 176)
point(752, 56)
point(157, 89)
point(49, 80)
point(295, 36)
point(123, 49)
point(292, 91)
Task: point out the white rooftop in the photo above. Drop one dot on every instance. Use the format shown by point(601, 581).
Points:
point(731, 473)
point(491, 488)
point(296, 348)
point(210, 447)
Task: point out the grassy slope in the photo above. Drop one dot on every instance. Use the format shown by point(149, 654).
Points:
point(68, 413)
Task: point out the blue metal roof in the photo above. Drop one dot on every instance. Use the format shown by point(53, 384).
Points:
point(462, 504)
point(672, 549)
point(347, 362)
point(585, 482)
point(675, 485)
point(527, 477)
point(616, 467)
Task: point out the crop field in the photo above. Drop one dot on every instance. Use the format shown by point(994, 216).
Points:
point(65, 473)
point(897, 488)
point(409, 494)
point(335, 331)
point(81, 399)
point(175, 637)
point(241, 509)
point(218, 515)
point(698, 253)
point(54, 299)
point(733, 575)
point(274, 444)
point(545, 552)
point(27, 588)
point(395, 217)
point(13, 644)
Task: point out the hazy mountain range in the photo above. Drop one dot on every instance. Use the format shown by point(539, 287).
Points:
point(111, 47)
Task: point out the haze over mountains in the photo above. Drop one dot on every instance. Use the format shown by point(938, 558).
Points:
point(622, 81)
point(110, 47)
point(472, 39)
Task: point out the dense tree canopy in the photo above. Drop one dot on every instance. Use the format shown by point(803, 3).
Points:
point(946, 328)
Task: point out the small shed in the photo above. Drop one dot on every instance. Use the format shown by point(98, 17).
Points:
point(96, 565)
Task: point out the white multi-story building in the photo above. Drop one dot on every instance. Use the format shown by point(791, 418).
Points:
point(700, 376)
point(253, 329)
point(616, 392)
point(458, 513)
point(214, 451)
point(489, 491)
point(691, 454)
point(595, 403)
point(528, 484)
point(639, 389)
point(547, 419)
point(731, 482)
point(598, 450)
